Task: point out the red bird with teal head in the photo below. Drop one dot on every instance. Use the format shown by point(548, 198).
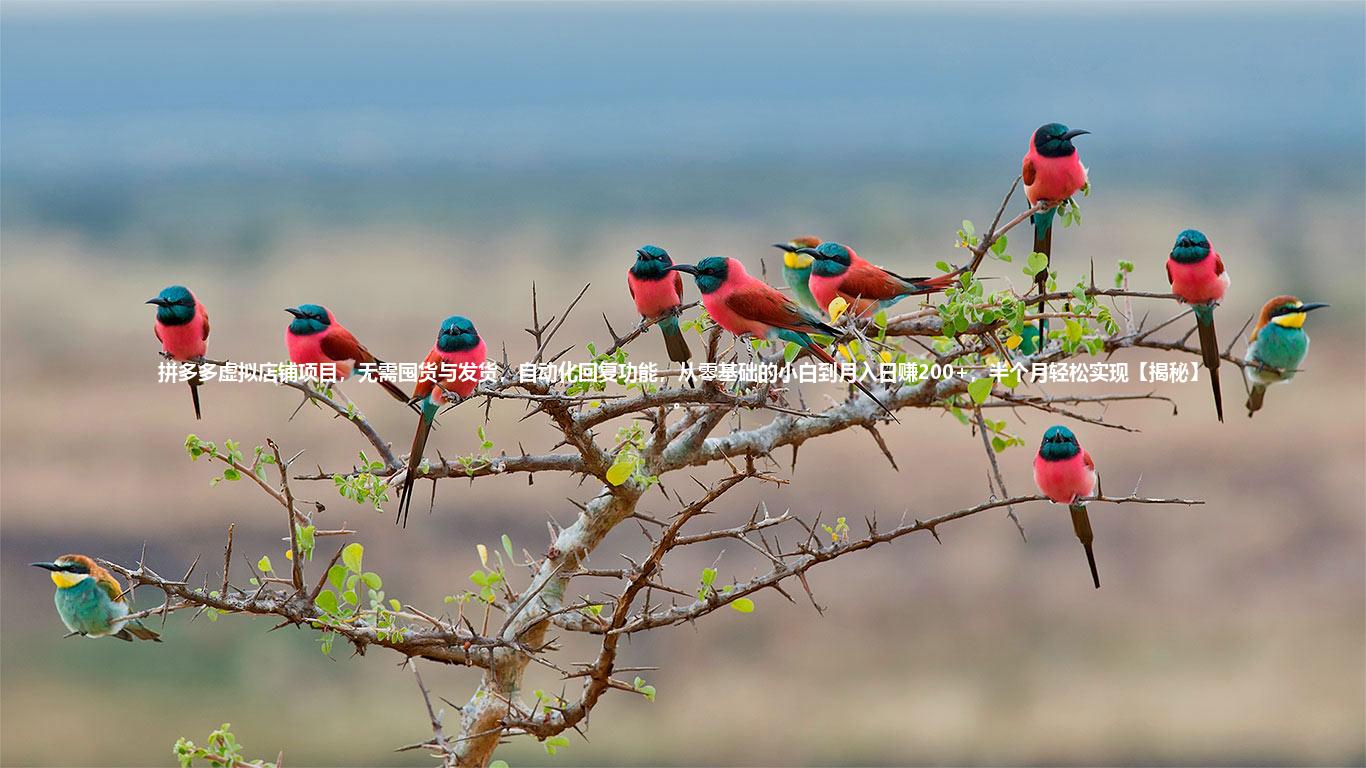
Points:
point(90, 601)
point(658, 294)
point(1276, 346)
point(457, 358)
point(315, 337)
point(182, 327)
point(797, 270)
point(839, 272)
point(1052, 172)
point(744, 304)
point(1066, 474)
point(1197, 276)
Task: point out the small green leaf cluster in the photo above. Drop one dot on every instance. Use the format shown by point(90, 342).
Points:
point(839, 532)
point(231, 454)
point(474, 461)
point(629, 461)
point(221, 751)
point(366, 485)
point(350, 586)
point(707, 587)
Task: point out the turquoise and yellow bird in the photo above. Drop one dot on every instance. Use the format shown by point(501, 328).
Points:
point(797, 270)
point(91, 602)
point(1276, 346)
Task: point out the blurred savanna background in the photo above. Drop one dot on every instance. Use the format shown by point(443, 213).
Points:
point(402, 162)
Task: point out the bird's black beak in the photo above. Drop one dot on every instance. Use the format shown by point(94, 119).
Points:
point(47, 566)
point(1312, 307)
point(1073, 134)
point(690, 269)
point(294, 311)
point(809, 251)
point(789, 247)
point(160, 302)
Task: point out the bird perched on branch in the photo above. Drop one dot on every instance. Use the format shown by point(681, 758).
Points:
point(1066, 474)
point(744, 304)
point(838, 271)
point(797, 270)
point(658, 294)
point(1276, 346)
point(91, 602)
point(1197, 276)
point(315, 337)
point(456, 361)
point(182, 327)
point(1052, 172)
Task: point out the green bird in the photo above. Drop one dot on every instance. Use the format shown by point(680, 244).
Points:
point(797, 270)
point(91, 602)
point(1276, 346)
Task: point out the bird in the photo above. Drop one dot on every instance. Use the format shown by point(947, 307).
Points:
point(658, 294)
point(91, 602)
point(797, 270)
point(182, 327)
point(1197, 276)
point(1276, 346)
point(1065, 473)
point(457, 358)
point(1052, 172)
point(839, 271)
point(315, 337)
point(744, 304)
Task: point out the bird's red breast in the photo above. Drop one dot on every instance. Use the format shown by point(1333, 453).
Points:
point(1051, 178)
point(656, 297)
point(462, 370)
point(1200, 282)
point(188, 341)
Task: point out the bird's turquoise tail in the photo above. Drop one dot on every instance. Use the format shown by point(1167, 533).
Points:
point(1081, 525)
point(1043, 243)
point(674, 341)
point(1209, 351)
point(424, 428)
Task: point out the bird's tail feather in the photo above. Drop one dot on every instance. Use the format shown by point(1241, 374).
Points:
point(424, 428)
point(136, 629)
point(1081, 525)
point(1043, 243)
point(1209, 350)
point(674, 341)
point(1254, 399)
point(825, 357)
point(195, 381)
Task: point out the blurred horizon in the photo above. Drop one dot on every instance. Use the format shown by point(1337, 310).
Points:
point(400, 162)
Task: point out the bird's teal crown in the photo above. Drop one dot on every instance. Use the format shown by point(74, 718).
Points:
point(652, 263)
point(1055, 140)
point(1191, 246)
point(309, 319)
point(175, 305)
point(1059, 444)
point(457, 335)
point(711, 273)
point(832, 259)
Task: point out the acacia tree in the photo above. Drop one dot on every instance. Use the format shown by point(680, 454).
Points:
point(624, 440)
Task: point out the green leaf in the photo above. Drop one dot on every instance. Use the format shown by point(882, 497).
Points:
point(999, 247)
point(349, 596)
point(264, 563)
point(480, 578)
point(336, 575)
point(708, 576)
point(620, 471)
point(743, 605)
point(1036, 264)
point(231, 474)
point(371, 580)
point(968, 228)
point(942, 266)
point(326, 601)
point(507, 547)
point(1074, 329)
point(980, 389)
point(648, 691)
point(790, 352)
point(351, 556)
point(498, 764)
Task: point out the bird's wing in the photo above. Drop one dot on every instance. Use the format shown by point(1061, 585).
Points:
point(872, 282)
point(1027, 171)
point(678, 285)
point(340, 345)
point(157, 332)
point(630, 287)
point(1169, 273)
point(424, 386)
point(206, 323)
point(110, 585)
point(1218, 264)
point(761, 303)
point(1086, 458)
